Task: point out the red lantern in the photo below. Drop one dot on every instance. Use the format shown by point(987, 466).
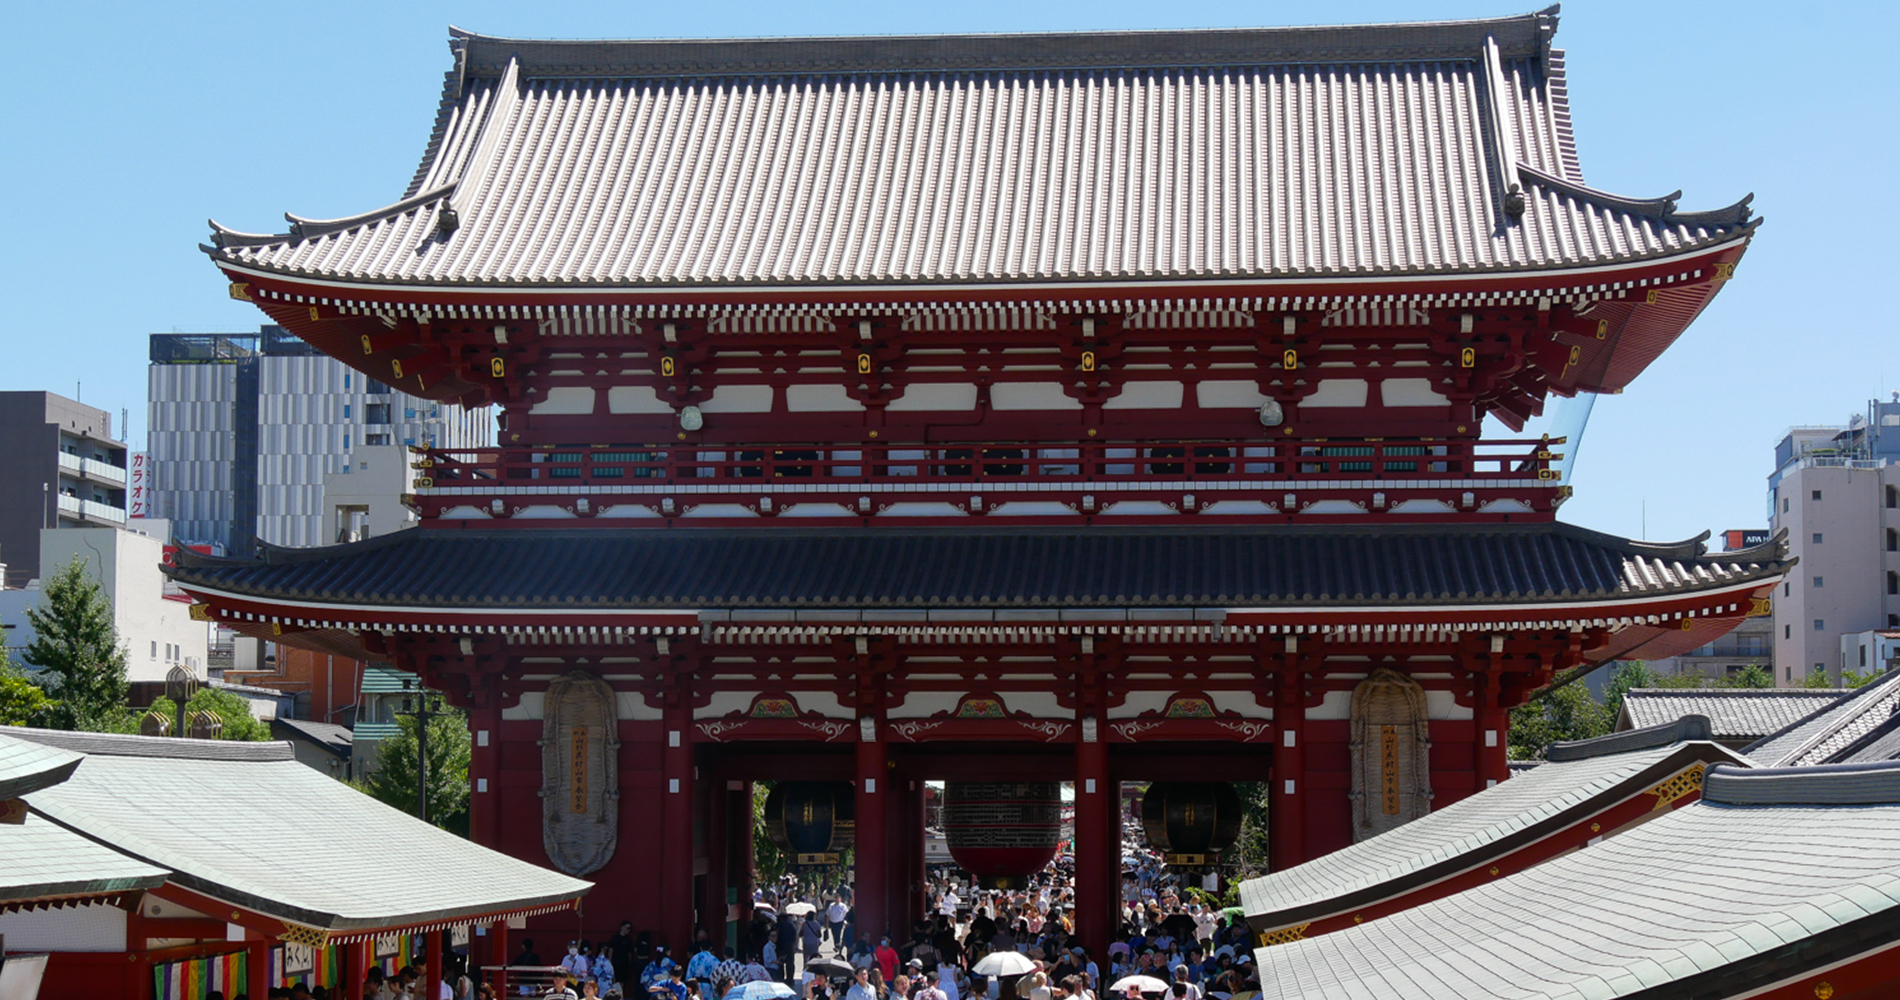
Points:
point(1002, 833)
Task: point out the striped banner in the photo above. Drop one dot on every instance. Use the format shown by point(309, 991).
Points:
point(192, 978)
point(300, 963)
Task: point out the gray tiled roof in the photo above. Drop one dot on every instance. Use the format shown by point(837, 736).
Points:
point(1489, 824)
point(27, 767)
point(1834, 727)
point(1140, 156)
point(42, 860)
point(1281, 565)
point(328, 735)
point(1737, 713)
point(1708, 895)
point(270, 834)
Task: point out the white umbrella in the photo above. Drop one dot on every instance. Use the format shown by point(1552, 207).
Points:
point(1003, 963)
point(1141, 984)
point(799, 909)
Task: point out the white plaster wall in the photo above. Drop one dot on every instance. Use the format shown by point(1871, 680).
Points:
point(1139, 702)
point(1031, 396)
point(739, 399)
point(1041, 704)
point(1225, 393)
point(1146, 396)
point(825, 703)
point(1243, 702)
point(1338, 392)
point(566, 399)
point(1443, 705)
point(1410, 392)
point(825, 397)
point(936, 396)
point(93, 927)
point(723, 703)
point(921, 704)
point(1333, 706)
point(635, 399)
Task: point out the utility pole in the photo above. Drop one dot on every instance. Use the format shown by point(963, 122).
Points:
point(419, 709)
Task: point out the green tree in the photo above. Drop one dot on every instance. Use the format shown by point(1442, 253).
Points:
point(1816, 679)
point(393, 782)
point(1626, 677)
point(1857, 678)
point(22, 703)
point(76, 650)
point(1564, 713)
point(1752, 676)
point(233, 711)
point(1250, 847)
point(767, 861)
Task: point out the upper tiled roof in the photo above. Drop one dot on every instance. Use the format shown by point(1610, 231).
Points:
point(272, 835)
point(1136, 156)
point(1834, 729)
point(979, 568)
point(1702, 901)
point(1737, 713)
point(1582, 779)
point(28, 767)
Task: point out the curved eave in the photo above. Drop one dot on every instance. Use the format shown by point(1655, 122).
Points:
point(1094, 287)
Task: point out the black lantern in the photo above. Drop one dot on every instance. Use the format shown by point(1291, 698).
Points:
point(1191, 822)
point(812, 822)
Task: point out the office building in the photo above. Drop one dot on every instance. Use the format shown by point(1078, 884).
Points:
point(1836, 491)
point(60, 467)
point(244, 428)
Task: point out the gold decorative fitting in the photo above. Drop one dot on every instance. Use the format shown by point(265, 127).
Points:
point(1467, 357)
point(1282, 936)
point(1723, 272)
point(1088, 361)
point(201, 612)
point(873, 434)
point(1494, 869)
point(1651, 298)
point(299, 934)
point(864, 364)
point(241, 291)
point(666, 366)
point(1603, 328)
point(314, 314)
point(1685, 784)
point(1358, 918)
point(1290, 359)
point(1596, 828)
point(497, 367)
point(1823, 989)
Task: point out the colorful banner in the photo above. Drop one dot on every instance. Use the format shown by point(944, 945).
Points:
point(192, 978)
point(300, 963)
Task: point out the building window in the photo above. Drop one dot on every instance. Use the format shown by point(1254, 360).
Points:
point(1816, 538)
point(1893, 582)
point(1784, 505)
point(154, 649)
point(373, 439)
point(1787, 631)
point(1820, 624)
point(1787, 589)
point(1814, 494)
point(346, 442)
point(1820, 581)
point(1893, 540)
point(346, 385)
point(1820, 668)
point(346, 411)
point(1893, 496)
point(1863, 656)
point(1893, 621)
point(1787, 674)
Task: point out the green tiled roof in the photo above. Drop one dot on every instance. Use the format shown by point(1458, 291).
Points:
point(387, 680)
point(369, 731)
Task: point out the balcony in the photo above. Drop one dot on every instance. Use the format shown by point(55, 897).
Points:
point(89, 510)
point(1156, 480)
point(93, 469)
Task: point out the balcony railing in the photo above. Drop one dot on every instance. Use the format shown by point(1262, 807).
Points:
point(91, 510)
point(1087, 478)
point(92, 468)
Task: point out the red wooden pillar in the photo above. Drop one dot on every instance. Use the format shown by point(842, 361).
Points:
point(1492, 728)
point(1096, 890)
point(1286, 845)
point(498, 952)
point(356, 961)
point(919, 883)
point(257, 969)
point(431, 965)
point(868, 889)
point(676, 829)
point(712, 903)
point(484, 772)
point(745, 876)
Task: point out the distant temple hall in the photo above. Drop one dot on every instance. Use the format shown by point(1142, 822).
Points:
point(1001, 410)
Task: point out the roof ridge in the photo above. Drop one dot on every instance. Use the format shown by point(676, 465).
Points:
point(1518, 36)
point(1876, 783)
point(172, 747)
point(1682, 730)
point(1661, 209)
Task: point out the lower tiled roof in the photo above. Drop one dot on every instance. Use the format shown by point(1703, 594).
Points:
point(1735, 713)
point(274, 836)
point(1592, 775)
point(1708, 900)
point(40, 859)
point(1276, 566)
point(27, 767)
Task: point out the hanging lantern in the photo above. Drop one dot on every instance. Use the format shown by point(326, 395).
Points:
point(812, 822)
point(1002, 833)
point(1191, 822)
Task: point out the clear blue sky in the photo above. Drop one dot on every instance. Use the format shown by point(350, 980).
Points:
point(126, 127)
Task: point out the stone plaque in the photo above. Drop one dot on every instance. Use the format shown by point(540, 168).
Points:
point(580, 774)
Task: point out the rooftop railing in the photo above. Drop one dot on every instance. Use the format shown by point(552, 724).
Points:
point(1086, 478)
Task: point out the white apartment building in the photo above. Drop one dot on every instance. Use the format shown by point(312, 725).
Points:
point(244, 429)
point(153, 618)
point(1836, 491)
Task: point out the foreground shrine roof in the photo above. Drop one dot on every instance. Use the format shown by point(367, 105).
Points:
point(312, 851)
point(1425, 149)
point(44, 863)
point(1580, 780)
point(954, 568)
point(1736, 713)
point(1773, 876)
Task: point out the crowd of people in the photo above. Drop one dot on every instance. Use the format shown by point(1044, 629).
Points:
point(804, 935)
